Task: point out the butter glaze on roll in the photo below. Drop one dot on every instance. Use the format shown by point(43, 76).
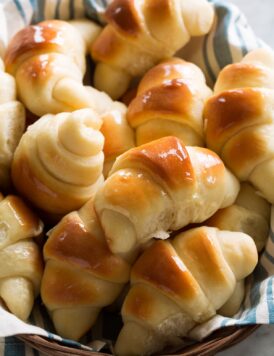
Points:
point(139, 34)
point(48, 63)
point(170, 102)
point(239, 120)
point(158, 187)
point(179, 283)
point(21, 263)
point(81, 274)
point(12, 124)
point(59, 162)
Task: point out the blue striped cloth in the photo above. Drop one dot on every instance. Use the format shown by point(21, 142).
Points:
point(230, 39)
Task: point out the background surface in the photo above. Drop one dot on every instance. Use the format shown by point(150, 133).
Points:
point(260, 15)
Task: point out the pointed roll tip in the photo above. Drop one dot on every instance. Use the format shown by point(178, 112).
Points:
point(64, 321)
point(240, 252)
point(136, 340)
point(18, 296)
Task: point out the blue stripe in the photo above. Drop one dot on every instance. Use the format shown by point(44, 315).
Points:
point(224, 322)
point(51, 336)
point(255, 296)
point(34, 8)
point(19, 6)
point(90, 10)
point(269, 257)
point(271, 235)
point(57, 10)
point(270, 302)
point(260, 273)
point(244, 48)
point(14, 347)
point(71, 9)
point(221, 46)
point(39, 11)
point(35, 352)
point(68, 342)
point(206, 60)
point(48, 324)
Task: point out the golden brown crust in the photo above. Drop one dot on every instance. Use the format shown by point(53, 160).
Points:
point(62, 286)
point(139, 303)
point(230, 111)
point(164, 72)
point(70, 242)
point(28, 219)
point(204, 252)
point(167, 158)
point(107, 43)
point(174, 90)
point(240, 75)
point(123, 16)
point(27, 182)
point(47, 36)
point(22, 259)
point(158, 14)
point(37, 69)
point(165, 101)
point(241, 156)
point(119, 137)
point(133, 193)
point(213, 168)
point(161, 267)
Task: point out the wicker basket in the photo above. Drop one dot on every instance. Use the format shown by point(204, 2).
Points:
point(218, 341)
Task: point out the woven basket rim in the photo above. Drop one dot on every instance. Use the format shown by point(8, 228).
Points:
point(219, 340)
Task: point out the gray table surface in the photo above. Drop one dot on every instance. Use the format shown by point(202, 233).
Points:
point(260, 14)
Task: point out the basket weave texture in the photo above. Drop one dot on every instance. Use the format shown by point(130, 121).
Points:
point(218, 341)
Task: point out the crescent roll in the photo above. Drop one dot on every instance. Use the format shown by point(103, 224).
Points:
point(170, 102)
point(21, 263)
point(139, 34)
point(48, 63)
point(81, 274)
point(177, 284)
point(58, 163)
point(12, 124)
point(158, 187)
point(239, 120)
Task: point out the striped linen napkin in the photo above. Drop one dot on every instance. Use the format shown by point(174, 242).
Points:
point(230, 39)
